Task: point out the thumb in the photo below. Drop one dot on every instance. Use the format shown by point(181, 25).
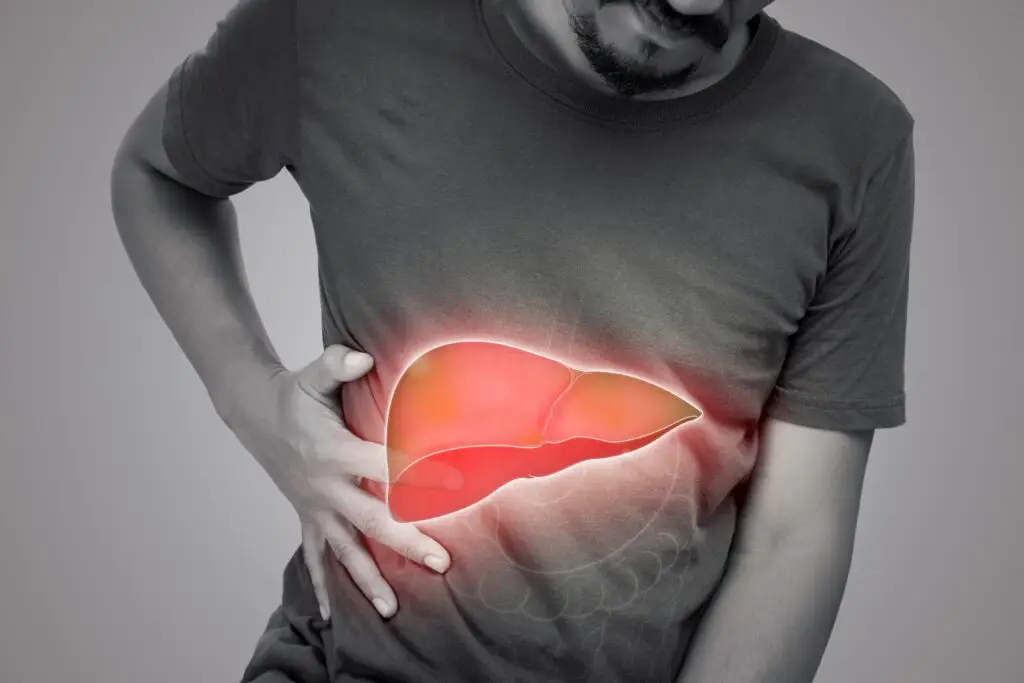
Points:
point(335, 366)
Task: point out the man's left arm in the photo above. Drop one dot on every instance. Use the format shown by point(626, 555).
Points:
point(843, 378)
point(772, 616)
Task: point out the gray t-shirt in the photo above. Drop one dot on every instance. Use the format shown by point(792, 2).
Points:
point(746, 247)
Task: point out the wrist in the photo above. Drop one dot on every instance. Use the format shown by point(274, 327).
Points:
point(238, 383)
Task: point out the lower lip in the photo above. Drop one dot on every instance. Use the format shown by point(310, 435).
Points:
point(656, 28)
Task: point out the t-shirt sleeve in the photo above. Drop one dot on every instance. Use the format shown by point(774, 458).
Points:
point(845, 366)
point(231, 114)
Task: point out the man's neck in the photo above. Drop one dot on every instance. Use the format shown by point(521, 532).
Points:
point(544, 28)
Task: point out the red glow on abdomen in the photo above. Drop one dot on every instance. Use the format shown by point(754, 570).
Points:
point(498, 414)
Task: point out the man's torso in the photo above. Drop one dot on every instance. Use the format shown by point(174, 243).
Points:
point(458, 193)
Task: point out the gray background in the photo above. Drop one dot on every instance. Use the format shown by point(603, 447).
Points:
point(139, 542)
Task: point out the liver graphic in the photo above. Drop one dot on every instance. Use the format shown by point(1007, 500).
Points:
point(497, 414)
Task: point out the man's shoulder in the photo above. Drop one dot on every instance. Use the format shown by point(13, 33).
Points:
point(839, 74)
point(857, 100)
point(851, 81)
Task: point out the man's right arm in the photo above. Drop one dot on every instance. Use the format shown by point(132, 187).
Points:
point(184, 247)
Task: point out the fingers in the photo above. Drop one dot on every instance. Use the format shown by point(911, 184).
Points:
point(335, 366)
point(313, 554)
point(369, 460)
point(359, 565)
point(370, 516)
point(433, 473)
point(354, 457)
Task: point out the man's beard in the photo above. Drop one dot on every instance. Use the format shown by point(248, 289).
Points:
point(632, 78)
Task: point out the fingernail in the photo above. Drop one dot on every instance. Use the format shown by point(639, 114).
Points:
point(383, 606)
point(356, 359)
point(436, 563)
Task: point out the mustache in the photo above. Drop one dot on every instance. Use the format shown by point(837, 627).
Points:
point(710, 28)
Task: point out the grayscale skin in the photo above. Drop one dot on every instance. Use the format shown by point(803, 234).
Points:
point(789, 563)
point(184, 247)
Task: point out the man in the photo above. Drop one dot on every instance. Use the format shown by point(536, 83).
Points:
point(678, 190)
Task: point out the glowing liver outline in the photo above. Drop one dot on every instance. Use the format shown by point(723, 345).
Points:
point(457, 388)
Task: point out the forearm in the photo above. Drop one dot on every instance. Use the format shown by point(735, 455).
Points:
point(773, 614)
point(184, 248)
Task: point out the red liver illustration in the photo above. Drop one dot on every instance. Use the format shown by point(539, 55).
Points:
point(497, 413)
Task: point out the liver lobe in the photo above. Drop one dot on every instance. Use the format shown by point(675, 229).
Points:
point(498, 414)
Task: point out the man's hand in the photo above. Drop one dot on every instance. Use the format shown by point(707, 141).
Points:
point(293, 427)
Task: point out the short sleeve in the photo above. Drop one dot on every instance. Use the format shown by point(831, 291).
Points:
point(231, 114)
point(845, 365)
